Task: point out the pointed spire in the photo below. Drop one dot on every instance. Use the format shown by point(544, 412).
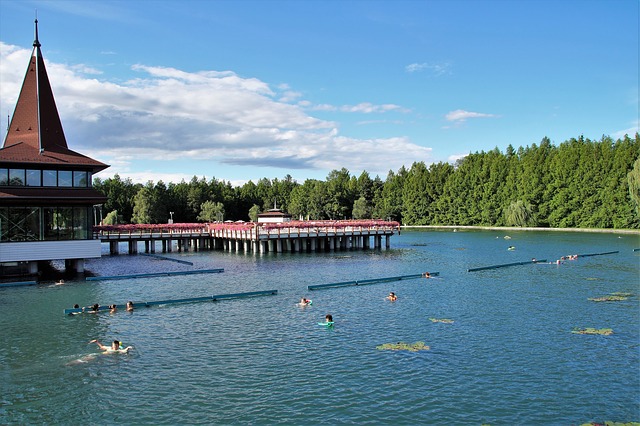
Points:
point(35, 133)
point(36, 42)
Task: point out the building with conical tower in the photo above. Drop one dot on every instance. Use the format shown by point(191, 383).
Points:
point(46, 196)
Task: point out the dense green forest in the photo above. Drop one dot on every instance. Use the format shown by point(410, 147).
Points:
point(578, 184)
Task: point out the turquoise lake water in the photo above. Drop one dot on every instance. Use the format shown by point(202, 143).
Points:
point(508, 358)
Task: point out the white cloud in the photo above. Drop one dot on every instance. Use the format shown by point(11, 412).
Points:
point(631, 131)
point(368, 108)
point(361, 108)
point(167, 114)
point(461, 115)
point(436, 69)
point(455, 157)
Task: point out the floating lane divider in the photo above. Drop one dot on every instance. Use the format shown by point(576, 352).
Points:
point(156, 274)
point(371, 281)
point(638, 249)
point(18, 284)
point(528, 262)
point(157, 256)
point(598, 254)
point(89, 309)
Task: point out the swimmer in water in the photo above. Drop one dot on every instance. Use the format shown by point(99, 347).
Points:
point(305, 302)
point(426, 275)
point(392, 297)
point(328, 319)
point(116, 346)
point(113, 308)
point(129, 306)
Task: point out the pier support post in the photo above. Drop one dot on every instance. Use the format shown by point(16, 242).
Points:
point(152, 245)
point(133, 247)
point(387, 243)
point(332, 243)
point(366, 242)
point(146, 246)
point(76, 265)
point(278, 246)
point(169, 245)
point(113, 247)
point(313, 245)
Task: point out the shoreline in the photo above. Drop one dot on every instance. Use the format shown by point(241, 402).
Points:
point(513, 228)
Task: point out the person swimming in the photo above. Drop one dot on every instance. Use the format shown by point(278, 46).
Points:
point(116, 347)
point(129, 306)
point(305, 302)
point(392, 297)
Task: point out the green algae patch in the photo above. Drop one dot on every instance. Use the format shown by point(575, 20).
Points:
point(601, 331)
point(402, 346)
point(442, 320)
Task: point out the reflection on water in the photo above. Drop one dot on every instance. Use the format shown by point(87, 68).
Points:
point(508, 357)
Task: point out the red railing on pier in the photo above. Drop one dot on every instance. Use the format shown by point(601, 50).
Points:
point(262, 228)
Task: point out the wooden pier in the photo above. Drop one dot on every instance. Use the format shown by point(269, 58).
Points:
point(247, 237)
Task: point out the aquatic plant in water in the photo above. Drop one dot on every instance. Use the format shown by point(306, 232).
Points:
point(608, 298)
point(402, 346)
point(442, 320)
point(613, 297)
point(602, 331)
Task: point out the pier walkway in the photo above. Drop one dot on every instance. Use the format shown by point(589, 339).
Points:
point(293, 236)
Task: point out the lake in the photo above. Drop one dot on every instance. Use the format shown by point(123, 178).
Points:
point(508, 356)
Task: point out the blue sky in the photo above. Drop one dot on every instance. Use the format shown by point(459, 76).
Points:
point(241, 90)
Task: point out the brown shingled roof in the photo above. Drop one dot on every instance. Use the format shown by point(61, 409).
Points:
point(35, 134)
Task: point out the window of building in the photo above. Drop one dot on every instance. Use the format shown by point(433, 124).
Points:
point(80, 179)
point(80, 223)
point(65, 178)
point(49, 178)
point(4, 223)
point(45, 223)
point(16, 177)
point(49, 226)
point(33, 178)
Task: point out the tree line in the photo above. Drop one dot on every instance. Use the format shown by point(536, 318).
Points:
point(578, 184)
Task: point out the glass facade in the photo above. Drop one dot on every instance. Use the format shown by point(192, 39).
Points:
point(45, 223)
point(48, 178)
